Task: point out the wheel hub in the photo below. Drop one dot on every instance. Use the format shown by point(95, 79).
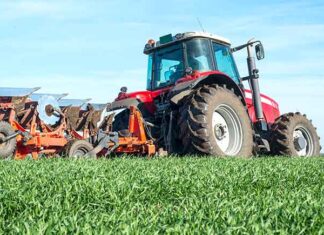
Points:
point(220, 131)
point(303, 142)
point(227, 130)
point(300, 143)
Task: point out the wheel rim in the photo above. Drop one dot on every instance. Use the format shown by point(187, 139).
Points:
point(303, 142)
point(227, 130)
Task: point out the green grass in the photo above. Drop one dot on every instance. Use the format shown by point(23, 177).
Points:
point(166, 195)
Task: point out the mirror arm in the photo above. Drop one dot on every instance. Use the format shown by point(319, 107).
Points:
point(250, 77)
point(234, 49)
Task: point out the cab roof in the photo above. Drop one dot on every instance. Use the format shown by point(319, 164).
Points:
point(169, 39)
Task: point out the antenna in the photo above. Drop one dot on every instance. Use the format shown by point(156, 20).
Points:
point(200, 24)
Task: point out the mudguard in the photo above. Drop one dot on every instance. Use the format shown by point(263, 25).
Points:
point(124, 103)
point(180, 90)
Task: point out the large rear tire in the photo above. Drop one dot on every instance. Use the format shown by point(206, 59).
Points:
point(294, 135)
point(214, 121)
point(8, 148)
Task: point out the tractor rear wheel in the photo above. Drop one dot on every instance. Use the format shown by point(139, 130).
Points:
point(78, 149)
point(214, 121)
point(8, 148)
point(294, 135)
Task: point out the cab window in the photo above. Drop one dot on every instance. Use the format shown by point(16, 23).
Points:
point(168, 66)
point(149, 72)
point(198, 54)
point(225, 62)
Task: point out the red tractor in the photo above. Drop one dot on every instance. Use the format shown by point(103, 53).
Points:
point(196, 103)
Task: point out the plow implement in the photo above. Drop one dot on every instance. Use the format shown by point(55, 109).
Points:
point(48, 125)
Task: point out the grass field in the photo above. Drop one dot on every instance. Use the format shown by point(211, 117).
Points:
point(166, 195)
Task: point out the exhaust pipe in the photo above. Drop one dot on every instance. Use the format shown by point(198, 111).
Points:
point(254, 85)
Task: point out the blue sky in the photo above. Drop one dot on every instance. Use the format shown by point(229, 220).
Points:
point(92, 48)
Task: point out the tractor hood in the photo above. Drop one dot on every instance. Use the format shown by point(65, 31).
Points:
point(270, 107)
point(264, 99)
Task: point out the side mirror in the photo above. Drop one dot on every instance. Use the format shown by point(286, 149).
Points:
point(259, 51)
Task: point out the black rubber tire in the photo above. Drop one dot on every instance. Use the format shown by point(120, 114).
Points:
point(74, 147)
point(8, 148)
point(282, 141)
point(195, 122)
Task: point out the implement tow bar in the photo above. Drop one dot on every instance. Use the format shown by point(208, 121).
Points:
point(14, 135)
point(9, 137)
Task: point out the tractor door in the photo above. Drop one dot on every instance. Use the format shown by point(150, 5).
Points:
point(225, 62)
point(168, 67)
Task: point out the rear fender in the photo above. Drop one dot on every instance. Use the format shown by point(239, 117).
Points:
point(121, 104)
point(183, 89)
point(127, 103)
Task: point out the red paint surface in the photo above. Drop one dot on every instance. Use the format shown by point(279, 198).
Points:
point(270, 111)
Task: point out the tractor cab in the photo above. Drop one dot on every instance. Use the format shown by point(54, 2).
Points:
point(174, 57)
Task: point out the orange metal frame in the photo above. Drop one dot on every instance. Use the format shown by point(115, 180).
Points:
point(46, 142)
point(137, 141)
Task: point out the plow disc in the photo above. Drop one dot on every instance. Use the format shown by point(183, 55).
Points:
point(48, 110)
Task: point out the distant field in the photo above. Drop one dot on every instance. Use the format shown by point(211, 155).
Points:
point(165, 195)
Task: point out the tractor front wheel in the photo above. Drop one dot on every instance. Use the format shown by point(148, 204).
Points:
point(214, 121)
point(294, 135)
